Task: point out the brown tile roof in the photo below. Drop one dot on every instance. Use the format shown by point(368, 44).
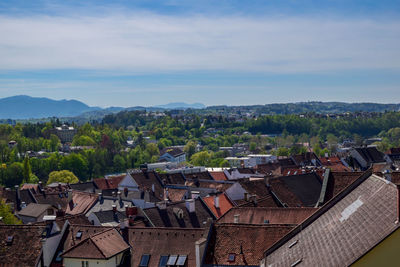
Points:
point(305, 158)
point(10, 196)
point(176, 194)
point(54, 199)
point(146, 179)
point(219, 176)
point(334, 163)
point(34, 210)
point(297, 190)
point(86, 230)
point(173, 151)
point(158, 242)
point(81, 203)
point(217, 185)
point(103, 245)
point(25, 248)
point(273, 168)
point(199, 175)
point(246, 242)
point(168, 217)
point(172, 178)
point(344, 229)
point(338, 181)
point(255, 187)
point(109, 182)
point(259, 215)
point(225, 204)
point(267, 201)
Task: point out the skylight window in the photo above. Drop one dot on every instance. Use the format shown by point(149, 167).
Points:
point(163, 261)
point(144, 262)
point(172, 259)
point(231, 257)
point(181, 260)
point(9, 240)
point(79, 235)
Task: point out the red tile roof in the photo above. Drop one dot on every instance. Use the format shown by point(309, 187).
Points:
point(267, 201)
point(102, 245)
point(225, 204)
point(109, 183)
point(338, 181)
point(218, 176)
point(246, 242)
point(176, 194)
point(334, 163)
point(259, 215)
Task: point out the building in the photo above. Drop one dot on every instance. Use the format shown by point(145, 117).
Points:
point(65, 133)
point(106, 248)
point(172, 154)
point(352, 228)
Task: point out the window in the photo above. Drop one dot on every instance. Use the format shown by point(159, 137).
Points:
point(172, 259)
point(231, 257)
point(144, 262)
point(85, 264)
point(9, 240)
point(163, 261)
point(79, 235)
point(181, 260)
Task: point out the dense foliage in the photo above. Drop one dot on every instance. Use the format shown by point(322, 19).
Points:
point(107, 151)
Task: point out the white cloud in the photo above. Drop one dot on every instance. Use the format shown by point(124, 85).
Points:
point(151, 43)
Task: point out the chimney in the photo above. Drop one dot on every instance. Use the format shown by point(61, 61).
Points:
point(254, 199)
point(101, 198)
point(387, 175)
point(114, 208)
point(119, 196)
point(130, 211)
point(200, 246)
point(124, 230)
point(190, 205)
point(153, 189)
point(125, 191)
point(59, 187)
point(23, 205)
point(236, 218)
point(246, 196)
point(40, 187)
point(18, 197)
point(216, 202)
point(166, 194)
point(146, 196)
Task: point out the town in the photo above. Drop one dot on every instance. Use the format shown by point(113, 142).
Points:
point(177, 189)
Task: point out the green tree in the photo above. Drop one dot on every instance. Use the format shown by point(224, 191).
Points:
point(6, 213)
point(75, 163)
point(55, 142)
point(63, 176)
point(83, 140)
point(201, 158)
point(190, 149)
point(119, 163)
point(27, 168)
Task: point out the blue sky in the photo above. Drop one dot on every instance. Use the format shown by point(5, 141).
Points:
point(128, 53)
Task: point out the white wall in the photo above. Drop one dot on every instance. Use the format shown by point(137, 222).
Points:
point(114, 261)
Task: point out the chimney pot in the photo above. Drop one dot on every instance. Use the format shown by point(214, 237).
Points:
point(114, 208)
point(190, 205)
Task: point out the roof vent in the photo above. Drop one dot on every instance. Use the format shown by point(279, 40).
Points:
point(266, 221)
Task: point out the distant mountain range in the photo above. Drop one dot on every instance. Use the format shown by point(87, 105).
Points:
point(27, 107)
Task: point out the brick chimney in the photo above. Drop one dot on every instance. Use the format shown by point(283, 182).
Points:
point(18, 197)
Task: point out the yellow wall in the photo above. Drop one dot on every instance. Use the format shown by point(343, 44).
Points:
point(385, 253)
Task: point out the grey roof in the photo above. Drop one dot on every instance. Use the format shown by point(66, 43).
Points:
point(85, 187)
point(168, 218)
point(107, 204)
point(34, 210)
point(344, 229)
point(370, 154)
point(109, 216)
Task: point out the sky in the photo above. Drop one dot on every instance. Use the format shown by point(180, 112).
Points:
point(151, 52)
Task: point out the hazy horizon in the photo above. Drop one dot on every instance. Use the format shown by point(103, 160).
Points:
point(147, 53)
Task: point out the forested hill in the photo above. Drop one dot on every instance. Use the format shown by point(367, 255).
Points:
point(305, 107)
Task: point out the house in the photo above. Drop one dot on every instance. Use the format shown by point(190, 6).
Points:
point(257, 159)
point(35, 212)
point(172, 154)
point(306, 159)
point(335, 164)
point(366, 156)
point(167, 246)
point(219, 204)
point(106, 248)
point(350, 239)
point(190, 213)
point(239, 162)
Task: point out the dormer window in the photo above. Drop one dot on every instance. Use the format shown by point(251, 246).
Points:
point(79, 235)
point(9, 240)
